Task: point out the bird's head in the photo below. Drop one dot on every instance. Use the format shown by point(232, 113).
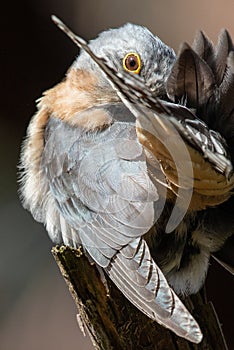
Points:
point(130, 48)
point(112, 58)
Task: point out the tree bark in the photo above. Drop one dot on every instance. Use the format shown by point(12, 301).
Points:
point(114, 323)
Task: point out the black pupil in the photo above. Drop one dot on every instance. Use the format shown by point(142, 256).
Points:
point(132, 62)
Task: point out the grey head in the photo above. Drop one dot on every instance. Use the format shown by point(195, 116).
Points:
point(114, 44)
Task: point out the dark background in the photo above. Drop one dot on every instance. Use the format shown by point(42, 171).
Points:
point(36, 310)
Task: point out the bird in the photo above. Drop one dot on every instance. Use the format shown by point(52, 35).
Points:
point(131, 157)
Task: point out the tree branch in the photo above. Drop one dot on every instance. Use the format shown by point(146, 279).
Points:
point(114, 323)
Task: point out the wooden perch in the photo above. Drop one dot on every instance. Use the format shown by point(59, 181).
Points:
point(114, 323)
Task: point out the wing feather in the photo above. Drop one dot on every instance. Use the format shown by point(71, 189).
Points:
point(140, 279)
point(105, 195)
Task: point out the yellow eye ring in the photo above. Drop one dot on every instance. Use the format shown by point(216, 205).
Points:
point(132, 63)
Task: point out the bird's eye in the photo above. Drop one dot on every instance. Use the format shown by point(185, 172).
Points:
point(132, 63)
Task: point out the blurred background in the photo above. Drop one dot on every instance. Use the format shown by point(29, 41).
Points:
point(36, 310)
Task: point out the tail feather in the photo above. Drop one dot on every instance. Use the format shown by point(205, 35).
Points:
point(204, 48)
point(226, 89)
point(191, 79)
point(223, 48)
